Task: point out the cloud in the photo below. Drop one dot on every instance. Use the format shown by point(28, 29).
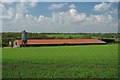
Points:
point(6, 13)
point(73, 11)
point(18, 19)
point(21, 10)
point(57, 6)
point(72, 6)
point(69, 21)
point(113, 11)
point(2, 7)
point(33, 3)
point(102, 7)
point(7, 2)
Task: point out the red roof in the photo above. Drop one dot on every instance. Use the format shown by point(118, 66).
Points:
point(61, 41)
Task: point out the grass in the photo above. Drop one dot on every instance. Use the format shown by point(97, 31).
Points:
point(84, 61)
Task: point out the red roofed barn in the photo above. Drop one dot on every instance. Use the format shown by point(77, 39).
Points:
point(36, 42)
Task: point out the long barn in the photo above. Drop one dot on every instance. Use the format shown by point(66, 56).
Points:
point(38, 42)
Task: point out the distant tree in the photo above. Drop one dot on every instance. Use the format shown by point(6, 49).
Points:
point(86, 37)
point(70, 37)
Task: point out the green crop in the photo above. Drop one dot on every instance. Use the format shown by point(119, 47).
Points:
point(84, 61)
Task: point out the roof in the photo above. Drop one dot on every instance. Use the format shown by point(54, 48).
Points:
point(61, 41)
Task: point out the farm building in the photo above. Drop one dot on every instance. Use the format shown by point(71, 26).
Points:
point(40, 42)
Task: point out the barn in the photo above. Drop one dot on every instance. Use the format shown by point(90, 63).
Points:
point(40, 42)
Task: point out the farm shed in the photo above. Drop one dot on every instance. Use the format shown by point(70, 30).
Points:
point(39, 42)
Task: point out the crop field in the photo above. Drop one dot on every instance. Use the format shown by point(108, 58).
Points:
point(83, 61)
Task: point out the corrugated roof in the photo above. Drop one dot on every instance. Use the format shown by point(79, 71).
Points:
point(61, 41)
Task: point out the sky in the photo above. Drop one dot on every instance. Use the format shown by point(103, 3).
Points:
point(80, 17)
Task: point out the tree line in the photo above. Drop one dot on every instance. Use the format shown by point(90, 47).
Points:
point(12, 36)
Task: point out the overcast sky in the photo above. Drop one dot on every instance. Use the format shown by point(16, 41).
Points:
point(80, 17)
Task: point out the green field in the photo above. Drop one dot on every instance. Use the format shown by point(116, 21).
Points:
point(84, 61)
